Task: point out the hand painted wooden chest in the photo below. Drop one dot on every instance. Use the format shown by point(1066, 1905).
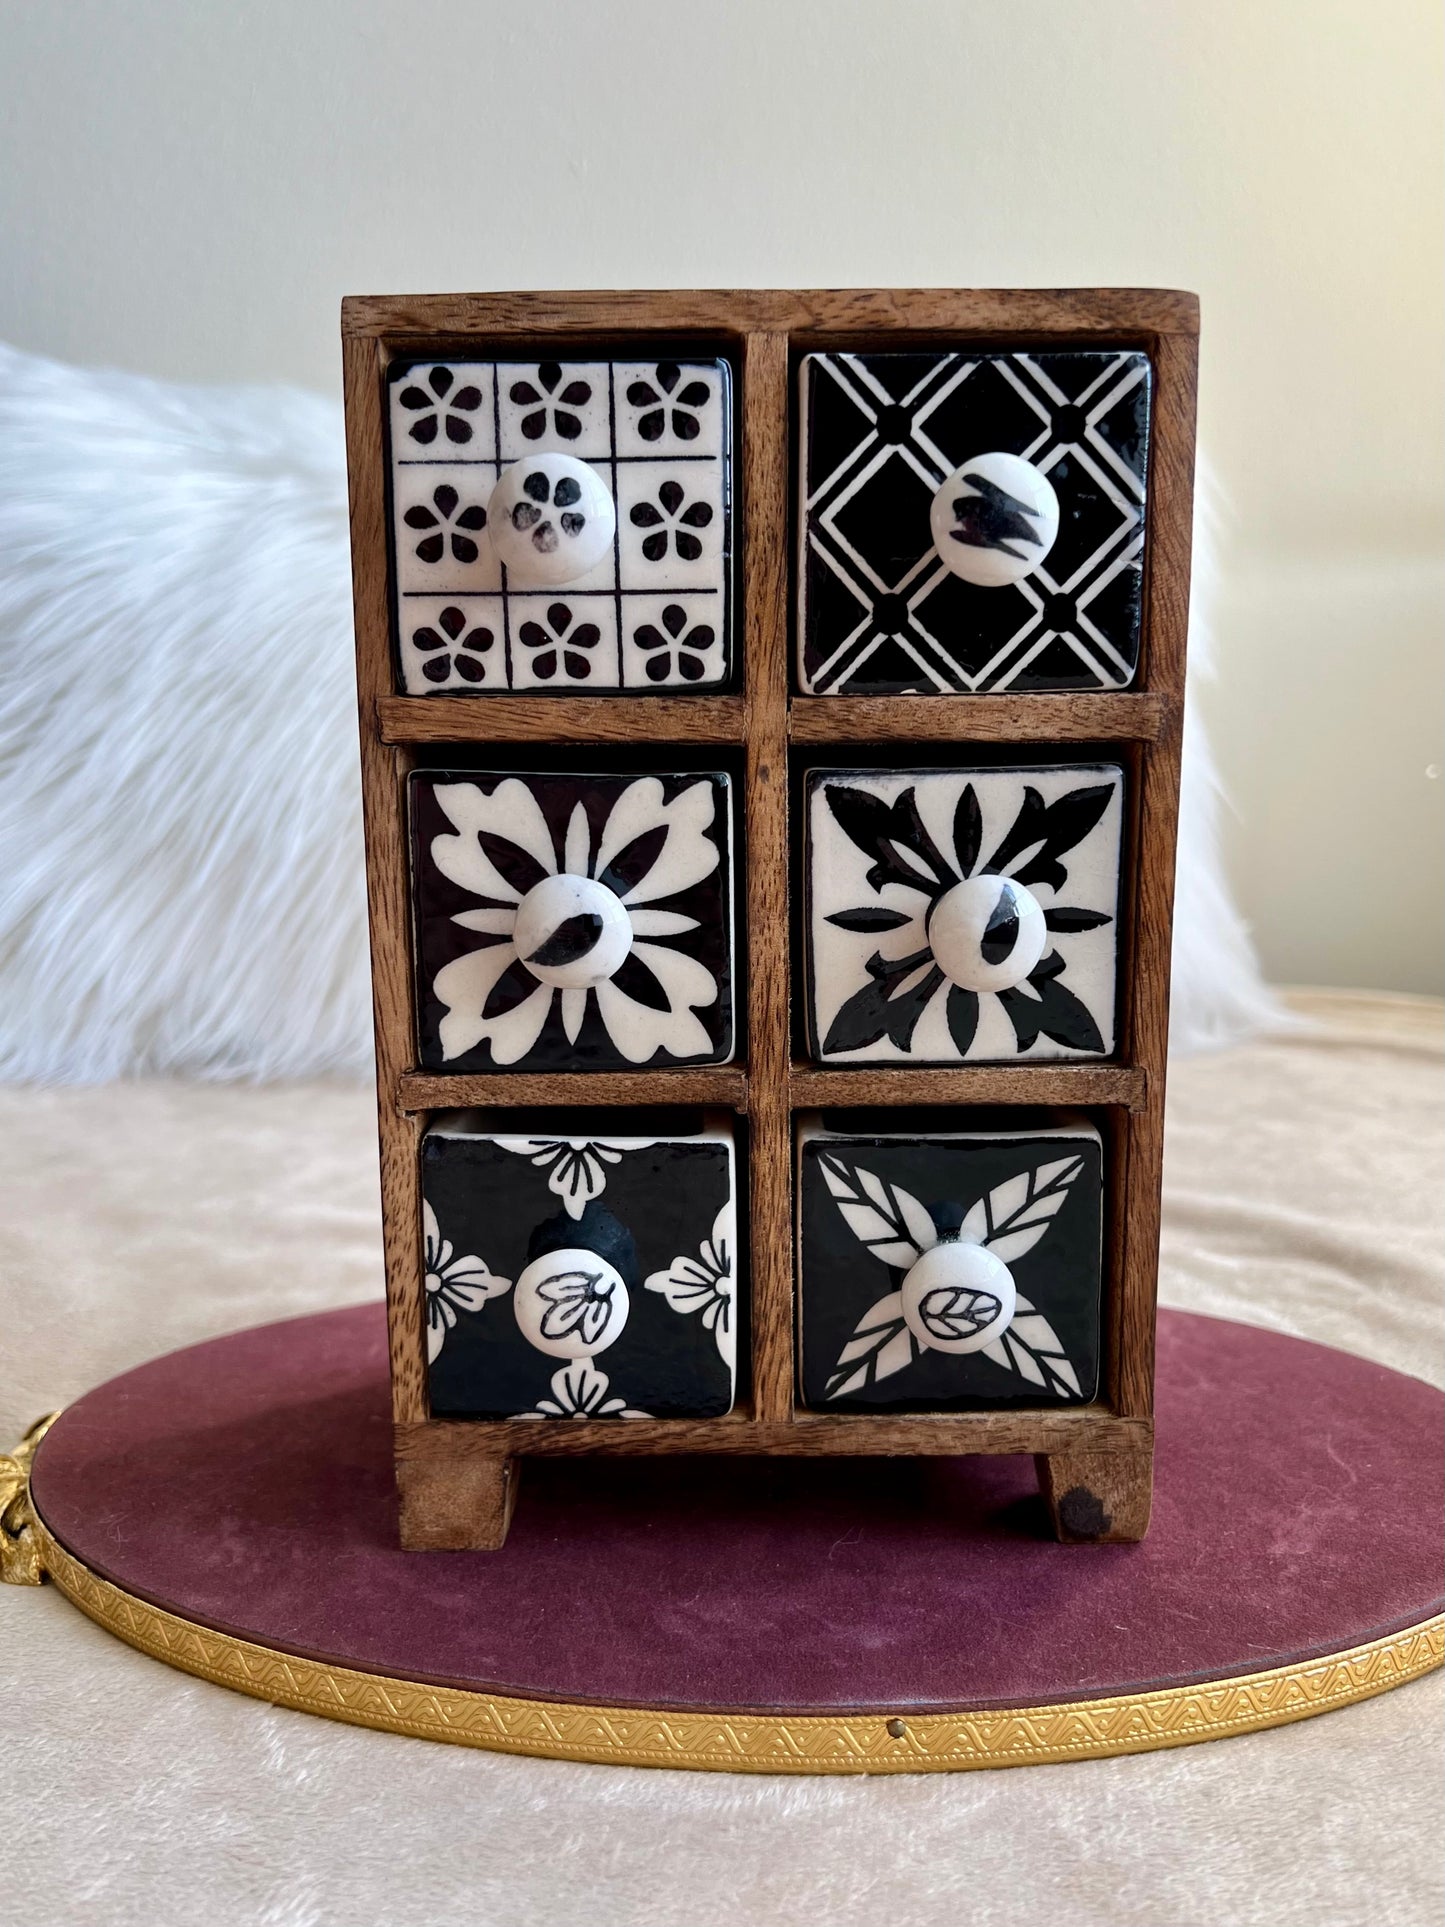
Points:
point(770, 712)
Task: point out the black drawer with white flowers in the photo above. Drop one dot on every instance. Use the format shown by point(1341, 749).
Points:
point(581, 1264)
point(569, 920)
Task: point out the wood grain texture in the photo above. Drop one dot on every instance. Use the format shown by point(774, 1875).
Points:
point(1089, 1428)
point(1043, 1083)
point(980, 719)
point(456, 1505)
point(382, 779)
point(1127, 315)
point(1166, 625)
point(724, 1085)
point(552, 719)
point(1114, 1128)
point(765, 670)
point(1098, 1498)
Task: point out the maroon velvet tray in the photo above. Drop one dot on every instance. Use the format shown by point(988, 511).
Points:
point(245, 1486)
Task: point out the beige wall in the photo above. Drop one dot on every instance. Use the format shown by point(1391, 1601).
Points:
point(188, 187)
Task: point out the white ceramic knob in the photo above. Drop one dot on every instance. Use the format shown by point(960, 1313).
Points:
point(987, 933)
point(551, 519)
point(571, 1303)
point(995, 519)
point(958, 1297)
point(572, 932)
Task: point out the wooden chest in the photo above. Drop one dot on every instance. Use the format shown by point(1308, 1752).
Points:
point(770, 715)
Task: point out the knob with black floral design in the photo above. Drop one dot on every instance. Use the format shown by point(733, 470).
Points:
point(551, 519)
point(994, 520)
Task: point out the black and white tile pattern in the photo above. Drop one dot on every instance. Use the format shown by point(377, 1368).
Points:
point(944, 1267)
point(879, 613)
point(572, 922)
point(580, 1264)
point(960, 915)
point(658, 435)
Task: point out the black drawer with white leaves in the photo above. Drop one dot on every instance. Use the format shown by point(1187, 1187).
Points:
point(971, 521)
point(949, 1261)
point(962, 915)
point(580, 1264)
point(561, 525)
point(572, 920)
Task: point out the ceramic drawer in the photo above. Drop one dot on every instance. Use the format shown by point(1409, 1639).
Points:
point(961, 915)
point(561, 525)
point(573, 920)
point(580, 1264)
point(971, 520)
point(948, 1260)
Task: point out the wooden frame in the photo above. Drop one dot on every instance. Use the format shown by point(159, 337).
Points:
point(457, 1480)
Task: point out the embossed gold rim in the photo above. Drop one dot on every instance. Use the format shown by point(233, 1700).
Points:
point(746, 1742)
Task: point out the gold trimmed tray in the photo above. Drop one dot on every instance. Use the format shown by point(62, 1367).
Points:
point(753, 1743)
point(809, 1616)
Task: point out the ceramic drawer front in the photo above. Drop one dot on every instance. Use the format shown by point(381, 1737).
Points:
point(932, 555)
point(949, 1264)
point(573, 920)
point(962, 915)
point(580, 1264)
point(561, 526)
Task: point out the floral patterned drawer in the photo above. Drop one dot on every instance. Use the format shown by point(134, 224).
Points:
point(603, 562)
point(572, 921)
point(971, 521)
point(962, 915)
point(949, 1260)
point(580, 1264)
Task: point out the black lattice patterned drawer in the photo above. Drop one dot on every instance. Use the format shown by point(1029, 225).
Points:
point(880, 612)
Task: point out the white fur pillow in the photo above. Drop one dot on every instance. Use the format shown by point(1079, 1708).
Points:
point(181, 882)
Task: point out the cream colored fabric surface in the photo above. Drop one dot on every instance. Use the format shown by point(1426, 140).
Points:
point(1304, 1184)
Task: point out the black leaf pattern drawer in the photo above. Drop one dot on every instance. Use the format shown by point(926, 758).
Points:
point(959, 916)
point(948, 1262)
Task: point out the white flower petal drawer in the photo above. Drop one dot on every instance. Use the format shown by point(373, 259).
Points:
point(560, 525)
point(580, 1264)
point(949, 1261)
point(962, 915)
point(572, 921)
point(971, 521)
